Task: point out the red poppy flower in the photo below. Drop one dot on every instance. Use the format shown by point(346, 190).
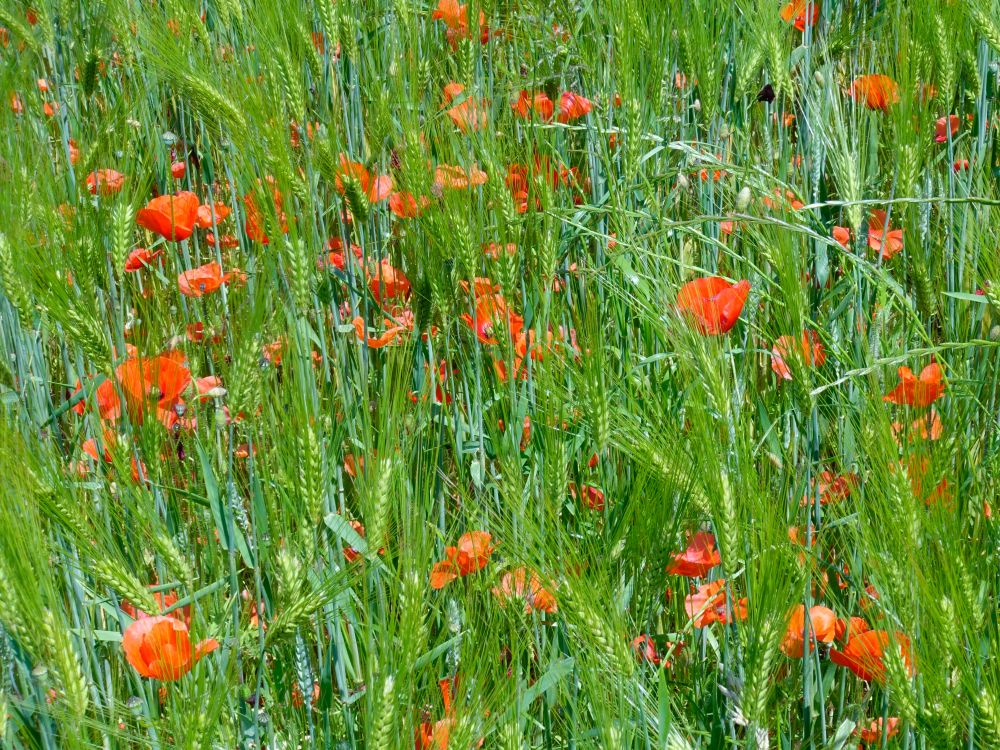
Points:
point(872, 734)
point(822, 629)
point(375, 187)
point(875, 91)
point(202, 280)
point(351, 554)
point(178, 169)
point(804, 12)
point(105, 181)
point(917, 391)
point(468, 115)
point(163, 601)
point(160, 648)
point(336, 257)
point(539, 103)
point(472, 554)
point(140, 258)
point(700, 557)
point(205, 214)
point(807, 349)
point(713, 303)
point(864, 654)
point(388, 282)
point(456, 18)
point(591, 496)
point(886, 241)
point(525, 586)
point(847, 629)
point(572, 107)
point(170, 216)
point(645, 649)
point(406, 206)
point(843, 236)
point(710, 603)
point(492, 310)
point(945, 126)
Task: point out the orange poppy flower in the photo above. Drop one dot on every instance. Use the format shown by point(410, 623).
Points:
point(929, 427)
point(832, 488)
point(875, 91)
point(539, 103)
point(864, 654)
point(336, 257)
point(572, 107)
point(524, 585)
point(843, 236)
point(822, 629)
point(254, 221)
point(700, 557)
point(917, 391)
point(392, 330)
point(804, 12)
point(160, 647)
point(493, 250)
point(491, 311)
point(451, 177)
point(847, 629)
point(917, 469)
point(710, 603)
point(456, 18)
point(452, 91)
point(872, 734)
point(105, 182)
point(202, 280)
point(205, 214)
point(888, 242)
point(946, 126)
point(470, 555)
point(376, 188)
point(172, 217)
point(807, 348)
point(468, 115)
point(140, 258)
point(226, 240)
point(590, 496)
point(453, 14)
point(406, 206)
point(16, 106)
point(783, 200)
point(713, 304)
point(388, 282)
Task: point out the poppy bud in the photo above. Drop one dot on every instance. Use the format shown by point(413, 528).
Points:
point(683, 183)
point(743, 199)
